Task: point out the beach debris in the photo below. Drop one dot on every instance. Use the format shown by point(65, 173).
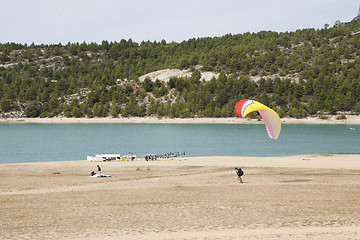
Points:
point(270, 117)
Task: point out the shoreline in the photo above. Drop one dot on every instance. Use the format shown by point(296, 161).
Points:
point(341, 161)
point(301, 161)
point(351, 119)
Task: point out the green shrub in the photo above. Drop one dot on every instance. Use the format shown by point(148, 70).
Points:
point(341, 117)
point(32, 110)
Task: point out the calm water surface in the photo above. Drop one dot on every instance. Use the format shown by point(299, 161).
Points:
point(23, 142)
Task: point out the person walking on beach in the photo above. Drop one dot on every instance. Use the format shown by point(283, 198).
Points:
point(239, 173)
point(99, 170)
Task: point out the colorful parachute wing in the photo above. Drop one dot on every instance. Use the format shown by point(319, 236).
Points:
point(270, 117)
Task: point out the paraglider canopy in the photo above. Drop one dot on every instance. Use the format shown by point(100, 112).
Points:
point(270, 117)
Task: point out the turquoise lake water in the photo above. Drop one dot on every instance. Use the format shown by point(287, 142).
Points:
point(23, 142)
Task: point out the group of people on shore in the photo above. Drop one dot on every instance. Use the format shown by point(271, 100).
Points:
point(152, 156)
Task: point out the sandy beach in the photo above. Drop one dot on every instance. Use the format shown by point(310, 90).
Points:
point(294, 197)
point(350, 119)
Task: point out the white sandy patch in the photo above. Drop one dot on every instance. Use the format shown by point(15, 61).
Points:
point(165, 74)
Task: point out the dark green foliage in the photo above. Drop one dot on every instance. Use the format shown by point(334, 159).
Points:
point(300, 73)
point(32, 110)
point(5, 105)
point(148, 85)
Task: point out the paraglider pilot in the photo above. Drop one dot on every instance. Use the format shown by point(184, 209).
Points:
point(239, 173)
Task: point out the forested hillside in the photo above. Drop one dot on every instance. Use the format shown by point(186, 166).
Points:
point(302, 73)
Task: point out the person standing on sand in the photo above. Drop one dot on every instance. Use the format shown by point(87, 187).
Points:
point(239, 173)
point(99, 170)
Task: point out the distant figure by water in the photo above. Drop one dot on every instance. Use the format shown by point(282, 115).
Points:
point(239, 173)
